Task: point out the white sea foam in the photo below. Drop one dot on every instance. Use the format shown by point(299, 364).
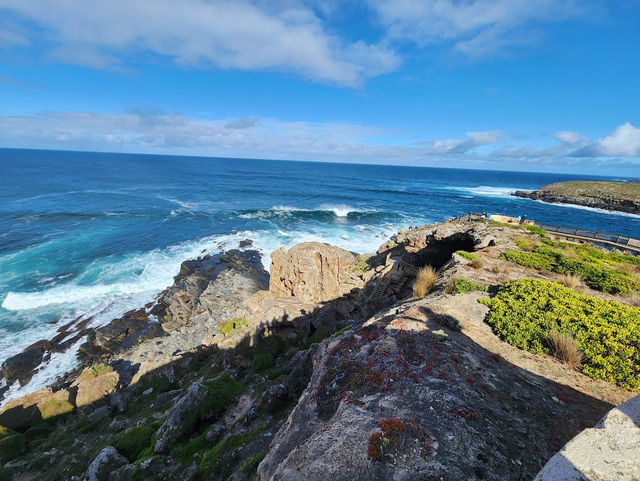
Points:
point(135, 280)
point(592, 209)
point(488, 191)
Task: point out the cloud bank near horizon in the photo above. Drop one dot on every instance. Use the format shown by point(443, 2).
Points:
point(173, 133)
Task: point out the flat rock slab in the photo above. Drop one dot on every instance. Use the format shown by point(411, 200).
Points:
point(610, 451)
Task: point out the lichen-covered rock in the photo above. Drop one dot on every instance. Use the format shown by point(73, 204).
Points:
point(311, 271)
point(95, 384)
point(181, 416)
point(609, 451)
point(105, 462)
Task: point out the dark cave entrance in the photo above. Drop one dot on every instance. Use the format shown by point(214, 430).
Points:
point(438, 252)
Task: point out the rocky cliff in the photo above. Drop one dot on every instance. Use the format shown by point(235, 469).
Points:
point(330, 369)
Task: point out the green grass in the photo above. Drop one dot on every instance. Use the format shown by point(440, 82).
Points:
point(212, 460)
point(134, 441)
point(361, 265)
point(251, 464)
point(525, 312)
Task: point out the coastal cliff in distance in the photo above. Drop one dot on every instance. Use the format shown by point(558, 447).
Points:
point(618, 196)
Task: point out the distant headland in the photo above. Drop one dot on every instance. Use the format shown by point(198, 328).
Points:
point(616, 196)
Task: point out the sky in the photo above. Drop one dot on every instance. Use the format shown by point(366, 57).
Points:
point(488, 84)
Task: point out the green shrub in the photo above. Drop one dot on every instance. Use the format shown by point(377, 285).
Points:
point(134, 441)
point(534, 229)
point(6, 432)
point(468, 256)
point(362, 264)
point(448, 321)
point(461, 286)
point(318, 335)
point(525, 312)
point(227, 327)
point(11, 447)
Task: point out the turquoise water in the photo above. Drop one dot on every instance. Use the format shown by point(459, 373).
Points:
point(94, 235)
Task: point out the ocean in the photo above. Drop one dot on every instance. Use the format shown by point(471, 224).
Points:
point(93, 235)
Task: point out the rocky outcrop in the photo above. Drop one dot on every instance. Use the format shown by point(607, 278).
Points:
point(211, 287)
point(187, 407)
point(21, 366)
point(206, 291)
point(106, 461)
point(617, 196)
point(311, 271)
point(22, 413)
point(95, 384)
point(607, 452)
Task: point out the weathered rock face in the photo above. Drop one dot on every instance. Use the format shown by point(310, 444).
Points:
point(311, 271)
point(392, 402)
point(206, 291)
point(212, 286)
point(94, 385)
point(607, 452)
point(175, 425)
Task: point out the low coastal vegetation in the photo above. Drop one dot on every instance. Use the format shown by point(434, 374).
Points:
point(462, 286)
point(526, 312)
point(609, 272)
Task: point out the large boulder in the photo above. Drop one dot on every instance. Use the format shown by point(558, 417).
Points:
point(21, 367)
point(177, 422)
point(311, 271)
point(607, 452)
point(105, 462)
point(95, 384)
point(24, 412)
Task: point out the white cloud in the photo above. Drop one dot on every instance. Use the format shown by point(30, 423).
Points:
point(154, 131)
point(461, 146)
point(624, 141)
point(283, 36)
point(569, 137)
point(476, 27)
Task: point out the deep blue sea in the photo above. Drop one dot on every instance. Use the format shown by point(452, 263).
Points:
point(94, 234)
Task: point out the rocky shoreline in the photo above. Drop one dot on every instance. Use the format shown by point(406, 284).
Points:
point(328, 367)
point(598, 195)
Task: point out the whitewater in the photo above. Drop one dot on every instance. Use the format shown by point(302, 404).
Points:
point(91, 236)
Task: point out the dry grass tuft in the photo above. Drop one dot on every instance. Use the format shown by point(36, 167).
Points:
point(495, 269)
point(477, 264)
point(425, 280)
point(565, 348)
point(633, 299)
point(570, 280)
point(451, 286)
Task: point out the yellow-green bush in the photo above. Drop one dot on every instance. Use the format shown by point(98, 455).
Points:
point(526, 311)
point(596, 268)
point(468, 256)
point(460, 286)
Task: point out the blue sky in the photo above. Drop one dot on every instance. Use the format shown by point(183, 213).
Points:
point(503, 84)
